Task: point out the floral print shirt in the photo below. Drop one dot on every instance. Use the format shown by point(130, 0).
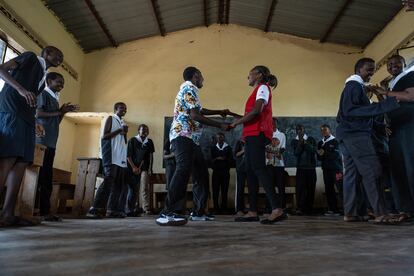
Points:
point(183, 125)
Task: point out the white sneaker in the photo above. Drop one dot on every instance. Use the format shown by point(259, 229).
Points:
point(171, 220)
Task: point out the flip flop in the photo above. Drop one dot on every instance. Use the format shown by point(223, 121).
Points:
point(387, 220)
point(272, 221)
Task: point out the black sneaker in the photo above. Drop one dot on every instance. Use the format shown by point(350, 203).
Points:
point(171, 220)
point(93, 214)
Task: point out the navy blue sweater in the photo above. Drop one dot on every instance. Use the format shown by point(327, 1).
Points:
point(355, 114)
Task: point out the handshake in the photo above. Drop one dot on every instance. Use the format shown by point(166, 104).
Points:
point(226, 126)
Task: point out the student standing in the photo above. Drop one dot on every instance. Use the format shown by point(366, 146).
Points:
point(355, 121)
point(185, 134)
point(401, 139)
point(331, 163)
point(114, 162)
point(304, 148)
point(24, 78)
point(221, 154)
point(49, 114)
point(279, 167)
point(140, 159)
point(257, 131)
point(169, 162)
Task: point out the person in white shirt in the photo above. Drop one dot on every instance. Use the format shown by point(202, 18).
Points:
point(114, 162)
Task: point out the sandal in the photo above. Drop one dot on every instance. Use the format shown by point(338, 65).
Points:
point(276, 219)
point(354, 219)
point(386, 220)
point(404, 217)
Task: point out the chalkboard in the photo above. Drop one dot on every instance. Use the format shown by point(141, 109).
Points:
point(285, 124)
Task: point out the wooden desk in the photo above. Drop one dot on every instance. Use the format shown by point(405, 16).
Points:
point(85, 185)
point(27, 195)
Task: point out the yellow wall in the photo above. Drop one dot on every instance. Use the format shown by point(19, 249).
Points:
point(146, 74)
point(34, 15)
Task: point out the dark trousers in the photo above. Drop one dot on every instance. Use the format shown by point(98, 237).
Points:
point(241, 182)
point(258, 173)
point(401, 164)
point(305, 189)
point(45, 182)
point(200, 179)
point(188, 156)
point(109, 193)
point(132, 202)
point(329, 178)
point(220, 183)
point(361, 163)
point(169, 172)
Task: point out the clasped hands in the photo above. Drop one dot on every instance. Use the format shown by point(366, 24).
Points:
point(226, 126)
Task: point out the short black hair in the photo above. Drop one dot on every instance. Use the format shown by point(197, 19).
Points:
point(401, 58)
point(220, 133)
point(142, 125)
point(325, 125)
point(53, 76)
point(49, 49)
point(189, 72)
point(361, 62)
point(118, 104)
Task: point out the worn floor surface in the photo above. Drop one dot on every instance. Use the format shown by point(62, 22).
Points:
point(137, 246)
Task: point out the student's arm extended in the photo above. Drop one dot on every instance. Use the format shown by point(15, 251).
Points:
point(197, 116)
point(208, 112)
point(257, 109)
point(5, 68)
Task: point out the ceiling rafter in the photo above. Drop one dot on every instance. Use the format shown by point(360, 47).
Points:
point(270, 15)
point(157, 14)
point(336, 20)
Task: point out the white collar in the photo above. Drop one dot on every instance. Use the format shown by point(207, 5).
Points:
point(42, 62)
point(119, 119)
point(188, 83)
point(394, 81)
point(52, 93)
point(305, 137)
point(276, 133)
point(140, 140)
point(330, 138)
point(223, 147)
point(356, 78)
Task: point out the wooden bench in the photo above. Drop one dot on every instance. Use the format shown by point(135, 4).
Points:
point(62, 192)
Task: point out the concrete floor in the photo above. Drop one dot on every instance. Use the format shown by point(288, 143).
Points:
point(137, 246)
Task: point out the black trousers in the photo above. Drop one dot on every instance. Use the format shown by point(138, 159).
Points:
point(258, 173)
point(188, 157)
point(241, 182)
point(131, 194)
point(278, 179)
point(361, 163)
point(329, 178)
point(109, 193)
point(305, 189)
point(169, 172)
point(220, 183)
point(45, 182)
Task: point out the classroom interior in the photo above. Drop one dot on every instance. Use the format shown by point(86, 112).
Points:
point(134, 52)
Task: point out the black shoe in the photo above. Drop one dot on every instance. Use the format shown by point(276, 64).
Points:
point(93, 214)
point(133, 214)
point(171, 220)
point(279, 218)
point(115, 215)
point(246, 219)
point(52, 218)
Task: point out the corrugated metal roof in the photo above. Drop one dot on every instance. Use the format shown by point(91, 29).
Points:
point(126, 20)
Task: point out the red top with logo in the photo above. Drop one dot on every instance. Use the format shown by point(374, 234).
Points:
point(263, 122)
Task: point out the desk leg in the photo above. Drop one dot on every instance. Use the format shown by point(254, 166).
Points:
point(28, 190)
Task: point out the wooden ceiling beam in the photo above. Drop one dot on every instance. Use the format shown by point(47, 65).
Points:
point(100, 22)
point(227, 12)
point(338, 16)
point(270, 15)
point(157, 15)
point(205, 6)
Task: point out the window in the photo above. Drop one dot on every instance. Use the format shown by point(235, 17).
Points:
point(7, 52)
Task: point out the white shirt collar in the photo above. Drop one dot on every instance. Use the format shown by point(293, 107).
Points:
point(189, 83)
point(276, 133)
point(223, 147)
point(305, 137)
point(119, 119)
point(330, 138)
point(356, 78)
point(140, 140)
point(394, 81)
point(51, 93)
point(42, 62)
